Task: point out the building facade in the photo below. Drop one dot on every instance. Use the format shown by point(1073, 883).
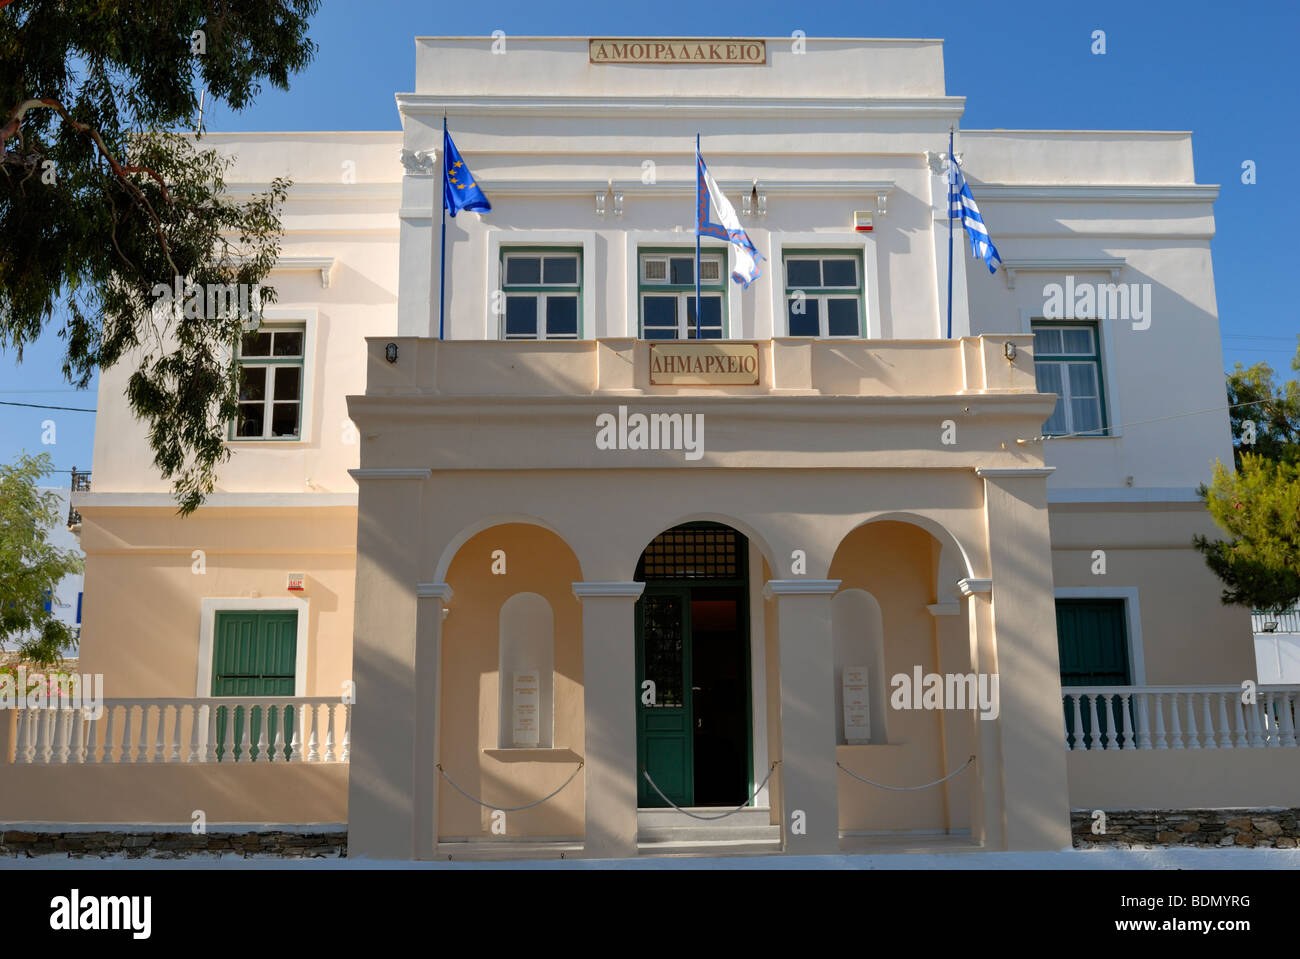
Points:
point(567, 552)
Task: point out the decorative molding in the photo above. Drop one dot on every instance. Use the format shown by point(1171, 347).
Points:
point(1106, 264)
point(434, 591)
point(368, 191)
point(1098, 193)
point(395, 473)
point(800, 587)
point(419, 162)
point(430, 105)
point(878, 190)
point(1014, 472)
point(944, 609)
point(608, 589)
point(217, 501)
point(1125, 494)
point(970, 586)
point(291, 264)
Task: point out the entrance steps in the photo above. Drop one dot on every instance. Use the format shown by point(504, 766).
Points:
point(668, 832)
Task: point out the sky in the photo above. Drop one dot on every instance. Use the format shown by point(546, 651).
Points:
point(1224, 71)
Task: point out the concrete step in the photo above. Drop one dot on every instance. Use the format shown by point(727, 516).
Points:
point(751, 825)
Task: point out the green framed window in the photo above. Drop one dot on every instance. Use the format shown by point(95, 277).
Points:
point(542, 290)
point(824, 293)
point(270, 384)
point(1067, 362)
point(666, 293)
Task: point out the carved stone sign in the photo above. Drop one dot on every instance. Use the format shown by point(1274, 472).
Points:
point(681, 51)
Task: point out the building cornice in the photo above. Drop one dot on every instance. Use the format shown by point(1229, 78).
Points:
point(84, 501)
point(1096, 193)
point(434, 105)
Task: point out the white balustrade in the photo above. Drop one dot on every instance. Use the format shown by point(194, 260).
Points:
point(217, 729)
point(1179, 717)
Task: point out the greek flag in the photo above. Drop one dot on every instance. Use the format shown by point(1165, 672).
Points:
point(961, 204)
point(746, 254)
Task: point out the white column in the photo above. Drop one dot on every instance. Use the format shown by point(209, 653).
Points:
point(609, 708)
point(417, 265)
point(810, 819)
point(987, 816)
point(430, 613)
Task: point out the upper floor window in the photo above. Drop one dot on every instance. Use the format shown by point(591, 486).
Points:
point(666, 289)
point(823, 293)
point(270, 384)
point(1067, 362)
point(543, 293)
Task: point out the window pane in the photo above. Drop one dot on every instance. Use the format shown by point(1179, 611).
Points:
point(840, 272)
point(1077, 339)
point(806, 323)
point(252, 383)
point(660, 317)
point(287, 380)
point(288, 343)
point(523, 269)
point(710, 318)
point(1047, 342)
point(682, 270)
point(1086, 414)
point(1048, 376)
point(284, 421)
point(562, 316)
point(561, 270)
point(802, 274)
point(1083, 380)
point(250, 419)
point(521, 317)
point(255, 344)
point(842, 316)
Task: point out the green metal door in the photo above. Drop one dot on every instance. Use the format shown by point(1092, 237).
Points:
point(255, 654)
point(663, 716)
point(1092, 638)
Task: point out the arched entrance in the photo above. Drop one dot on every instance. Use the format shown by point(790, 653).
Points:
point(693, 668)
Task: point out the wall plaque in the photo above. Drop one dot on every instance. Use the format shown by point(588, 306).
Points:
point(704, 363)
point(526, 709)
point(857, 705)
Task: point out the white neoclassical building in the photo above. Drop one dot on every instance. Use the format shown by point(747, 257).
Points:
point(532, 587)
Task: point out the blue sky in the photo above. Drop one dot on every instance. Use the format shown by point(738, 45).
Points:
point(1224, 71)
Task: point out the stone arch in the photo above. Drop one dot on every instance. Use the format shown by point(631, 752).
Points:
point(466, 533)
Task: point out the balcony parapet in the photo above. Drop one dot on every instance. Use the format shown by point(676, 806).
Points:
point(787, 366)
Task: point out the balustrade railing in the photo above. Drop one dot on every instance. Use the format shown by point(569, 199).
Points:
point(1179, 717)
point(225, 729)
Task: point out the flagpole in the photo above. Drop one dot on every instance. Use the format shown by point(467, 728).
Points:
point(697, 236)
point(951, 161)
point(442, 256)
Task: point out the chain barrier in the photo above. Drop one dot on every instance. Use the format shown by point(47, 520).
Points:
point(686, 812)
point(907, 789)
point(485, 805)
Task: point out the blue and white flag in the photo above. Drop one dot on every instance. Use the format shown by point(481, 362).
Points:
point(747, 255)
point(961, 204)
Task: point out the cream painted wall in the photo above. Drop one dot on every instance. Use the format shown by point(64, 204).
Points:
point(538, 562)
point(142, 609)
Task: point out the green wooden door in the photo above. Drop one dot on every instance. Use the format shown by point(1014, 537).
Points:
point(1092, 638)
point(255, 653)
point(664, 726)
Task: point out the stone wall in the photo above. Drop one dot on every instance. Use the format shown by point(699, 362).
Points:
point(1267, 828)
point(173, 845)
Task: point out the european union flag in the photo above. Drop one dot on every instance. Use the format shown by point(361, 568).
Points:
point(459, 190)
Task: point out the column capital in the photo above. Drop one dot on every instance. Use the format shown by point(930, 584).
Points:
point(970, 586)
point(609, 589)
point(440, 591)
point(799, 587)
